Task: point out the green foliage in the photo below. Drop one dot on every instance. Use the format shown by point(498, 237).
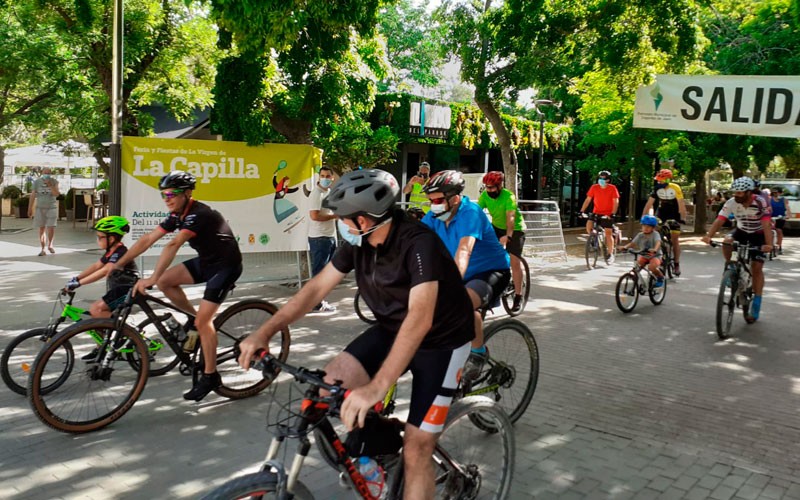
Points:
point(11, 192)
point(350, 145)
point(103, 184)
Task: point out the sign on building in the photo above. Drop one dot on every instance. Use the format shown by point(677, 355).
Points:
point(429, 120)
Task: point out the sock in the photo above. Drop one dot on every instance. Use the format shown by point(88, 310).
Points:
point(479, 350)
point(757, 300)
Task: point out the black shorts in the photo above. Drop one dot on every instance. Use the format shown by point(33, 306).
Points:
point(436, 374)
point(605, 223)
point(753, 240)
point(779, 223)
point(489, 285)
point(219, 279)
point(114, 297)
point(515, 243)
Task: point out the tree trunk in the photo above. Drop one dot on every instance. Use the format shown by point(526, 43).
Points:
point(504, 138)
point(295, 131)
point(700, 206)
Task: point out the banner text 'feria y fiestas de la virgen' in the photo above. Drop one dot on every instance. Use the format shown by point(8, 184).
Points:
point(746, 105)
point(258, 189)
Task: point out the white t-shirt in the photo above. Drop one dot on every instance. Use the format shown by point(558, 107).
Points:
point(315, 228)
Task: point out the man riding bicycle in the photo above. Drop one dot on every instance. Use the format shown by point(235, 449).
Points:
point(508, 226)
point(605, 199)
point(218, 264)
point(424, 321)
point(470, 239)
point(753, 228)
point(671, 207)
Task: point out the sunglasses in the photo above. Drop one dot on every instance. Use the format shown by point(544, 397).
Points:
point(438, 201)
point(168, 195)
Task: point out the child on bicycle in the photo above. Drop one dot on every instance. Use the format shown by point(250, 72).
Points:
point(649, 240)
point(110, 231)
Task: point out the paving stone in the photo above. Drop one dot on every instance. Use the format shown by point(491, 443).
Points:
point(772, 491)
point(723, 493)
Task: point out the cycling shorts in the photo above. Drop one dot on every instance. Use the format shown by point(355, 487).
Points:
point(489, 285)
point(604, 223)
point(114, 297)
point(779, 223)
point(753, 240)
point(515, 243)
point(436, 374)
point(219, 279)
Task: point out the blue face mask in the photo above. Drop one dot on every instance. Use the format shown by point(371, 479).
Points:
point(325, 182)
point(602, 182)
point(344, 232)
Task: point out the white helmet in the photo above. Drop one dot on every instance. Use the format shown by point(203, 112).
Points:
point(743, 184)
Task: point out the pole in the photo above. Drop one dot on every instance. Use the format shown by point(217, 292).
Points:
point(540, 168)
point(115, 181)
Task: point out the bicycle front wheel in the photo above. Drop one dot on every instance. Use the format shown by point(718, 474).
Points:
point(234, 325)
point(508, 298)
point(627, 292)
point(656, 294)
point(18, 358)
point(262, 485)
point(105, 382)
point(469, 462)
point(592, 251)
point(363, 311)
point(726, 303)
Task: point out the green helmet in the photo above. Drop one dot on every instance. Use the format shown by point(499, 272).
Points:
point(113, 224)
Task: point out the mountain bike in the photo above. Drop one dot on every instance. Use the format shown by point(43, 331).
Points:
point(638, 281)
point(668, 258)
point(98, 384)
point(469, 463)
point(735, 289)
point(596, 240)
point(20, 353)
point(509, 293)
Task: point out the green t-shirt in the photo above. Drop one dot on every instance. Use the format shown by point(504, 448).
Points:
point(498, 208)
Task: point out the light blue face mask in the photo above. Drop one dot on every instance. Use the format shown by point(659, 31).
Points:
point(344, 232)
point(602, 182)
point(325, 182)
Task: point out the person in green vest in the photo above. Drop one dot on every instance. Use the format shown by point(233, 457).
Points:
point(418, 199)
point(508, 225)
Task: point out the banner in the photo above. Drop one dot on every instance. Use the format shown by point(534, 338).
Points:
point(746, 105)
point(261, 190)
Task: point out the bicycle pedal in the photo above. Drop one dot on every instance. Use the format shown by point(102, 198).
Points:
point(343, 481)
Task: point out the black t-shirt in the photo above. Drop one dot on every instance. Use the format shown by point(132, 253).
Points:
point(212, 237)
point(116, 279)
point(412, 254)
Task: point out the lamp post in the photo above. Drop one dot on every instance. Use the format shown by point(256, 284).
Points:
point(115, 182)
point(540, 167)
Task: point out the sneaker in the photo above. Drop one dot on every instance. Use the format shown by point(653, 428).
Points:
point(205, 384)
point(474, 364)
point(755, 307)
point(517, 303)
point(659, 282)
point(780, 250)
point(611, 258)
point(677, 269)
point(325, 307)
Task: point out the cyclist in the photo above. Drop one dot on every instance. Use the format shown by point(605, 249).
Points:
point(425, 325)
point(753, 228)
point(605, 198)
point(508, 225)
point(648, 241)
point(218, 264)
point(417, 198)
point(670, 206)
point(110, 231)
point(470, 239)
point(780, 208)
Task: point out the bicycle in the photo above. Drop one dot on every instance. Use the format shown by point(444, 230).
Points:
point(596, 240)
point(363, 311)
point(668, 258)
point(509, 293)
point(735, 289)
point(773, 254)
point(469, 463)
point(94, 394)
point(633, 283)
point(20, 353)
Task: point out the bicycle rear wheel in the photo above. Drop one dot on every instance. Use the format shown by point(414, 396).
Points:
point(234, 325)
point(103, 384)
point(627, 292)
point(511, 372)
point(162, 357)
point(363, 311)
point(592, 251)
point(18, 358)
point(726, 303)
point(256, 485)
point(508, 295)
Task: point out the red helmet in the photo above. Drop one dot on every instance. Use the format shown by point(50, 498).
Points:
point(493, 179)
point(664, 174)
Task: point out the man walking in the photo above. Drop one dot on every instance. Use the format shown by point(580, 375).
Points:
point(321, 230)
point(45, 213)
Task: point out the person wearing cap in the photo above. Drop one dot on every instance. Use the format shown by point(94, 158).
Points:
point(667, 197)
point(604, 197)
point(413, 188)
point(424, 316)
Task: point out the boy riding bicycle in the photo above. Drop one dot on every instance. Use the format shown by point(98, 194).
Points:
point(648, 241)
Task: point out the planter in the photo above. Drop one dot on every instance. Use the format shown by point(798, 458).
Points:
point(6, 207)
point(21, 208)
point(70, 214)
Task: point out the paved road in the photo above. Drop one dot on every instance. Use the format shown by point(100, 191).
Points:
point(645, 405)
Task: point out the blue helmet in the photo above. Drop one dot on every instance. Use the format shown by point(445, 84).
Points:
point(649, 220)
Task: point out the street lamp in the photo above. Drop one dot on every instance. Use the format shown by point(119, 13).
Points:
point(115, 186)
point(536, 104)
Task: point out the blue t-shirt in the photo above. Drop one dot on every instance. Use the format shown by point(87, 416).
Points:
point(469, 220)
point(778, 207)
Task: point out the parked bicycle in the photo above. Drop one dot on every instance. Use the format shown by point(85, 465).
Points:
point(735, 289)
point(77, 385)
point(470, 463)
point(638, 281)
point(596, 240)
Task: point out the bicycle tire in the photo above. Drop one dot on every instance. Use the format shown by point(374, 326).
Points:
point(238, 321)
point(256, 485)
point(591, 251)
point(747, 299)
point(18, 358)
point(508, 298)
point(162, 358)
point(668, 264)
point(726, 303)
point(364, 313)
point(513, 364)
point(656, 294)
point(66, 408)
point(627, 292)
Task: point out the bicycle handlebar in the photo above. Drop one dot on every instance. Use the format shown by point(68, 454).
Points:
point(270, 366)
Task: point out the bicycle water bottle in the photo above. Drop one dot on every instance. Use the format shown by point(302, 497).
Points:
point(373, 474)
point(191, 340)
point(172, 324)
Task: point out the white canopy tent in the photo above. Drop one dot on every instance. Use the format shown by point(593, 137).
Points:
point(69, 154)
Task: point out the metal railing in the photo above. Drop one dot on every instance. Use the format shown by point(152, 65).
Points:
point(544, 236)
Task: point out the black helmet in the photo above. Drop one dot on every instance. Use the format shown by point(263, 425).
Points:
point(177, 179)
point(447, 182)
point(370, 192)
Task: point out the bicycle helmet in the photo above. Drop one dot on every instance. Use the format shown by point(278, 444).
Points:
point(370, 192)
point(649, 220)
point(664, 174)
point(494, 179)
point(447, 182)
point(743, 184)
point(604, 173)
point(177, 179)
point(113, 224)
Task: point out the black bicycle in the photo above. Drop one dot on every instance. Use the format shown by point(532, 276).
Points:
point(735, 289)
point(469, 463)
point(668, 258)
point(596, 243)
point(508, 294)
point(100, 382)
